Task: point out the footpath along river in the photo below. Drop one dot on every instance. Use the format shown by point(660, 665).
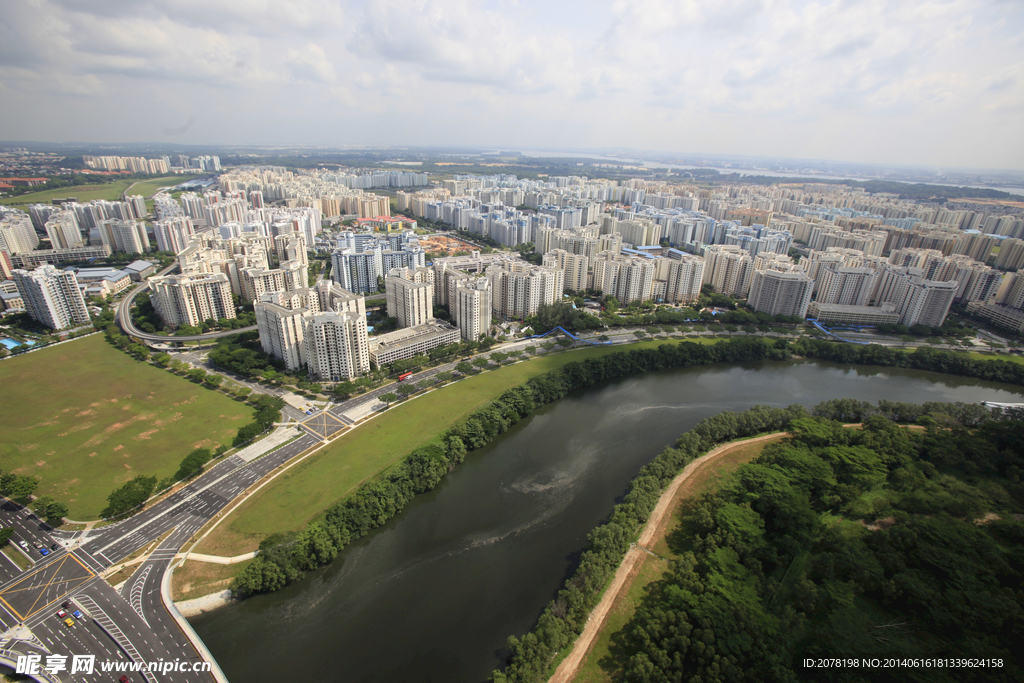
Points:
point(434, 594)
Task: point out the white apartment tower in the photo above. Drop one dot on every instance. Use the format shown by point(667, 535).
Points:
point(410, 295)
point(685, 278)
point(780, 293)
point(52, 296)
point(630, 279)
point(62, 229)
point(173, 234)
point(927, 302)
point(127, 236)
point(845, 286)
point(16, 233)
point(472, 307)
point(728, 269)
point(518, 289)
point(573, 266)
point(337, 346)
point(191, 299)
point(282, 332)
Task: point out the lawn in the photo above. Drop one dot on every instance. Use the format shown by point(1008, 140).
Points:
point(321, 480)
point(148, 188)
point(85, 193)
point(84, 418)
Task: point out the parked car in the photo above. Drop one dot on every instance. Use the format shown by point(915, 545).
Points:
point(23, 544)
point(66, 604)
point(61, 614)
point(70, 622)
point(77, 615)
point(55, 546)
point(44, 552)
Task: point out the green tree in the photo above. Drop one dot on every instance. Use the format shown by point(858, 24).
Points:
point(388, 398)
point(193, 463)
point(130, 496)
point(6, 535)
point(55, 513)
point(18, 485)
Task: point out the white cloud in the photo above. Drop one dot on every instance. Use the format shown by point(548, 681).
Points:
point(881, 80)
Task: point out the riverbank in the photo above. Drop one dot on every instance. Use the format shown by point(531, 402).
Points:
point(649, 558)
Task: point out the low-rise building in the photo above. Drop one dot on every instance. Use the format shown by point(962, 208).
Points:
point(841, 314)
point(408, 342)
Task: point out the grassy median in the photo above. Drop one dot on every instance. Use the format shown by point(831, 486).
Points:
point(85, 418)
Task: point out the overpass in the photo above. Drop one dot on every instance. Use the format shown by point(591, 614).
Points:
point(123, 317)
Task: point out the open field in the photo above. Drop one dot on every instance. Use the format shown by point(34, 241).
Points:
point(315, 484)
point(85, 418)
point(85, 193)
point(598, 665)
point(147, 188)
point(196, 579)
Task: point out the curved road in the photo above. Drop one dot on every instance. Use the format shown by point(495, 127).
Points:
point(124, 319)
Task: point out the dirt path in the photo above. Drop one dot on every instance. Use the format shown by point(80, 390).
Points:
point(659, 518)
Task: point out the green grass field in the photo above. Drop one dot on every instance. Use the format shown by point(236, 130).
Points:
point(84, 418)
point(309, 488)
point(85, 193)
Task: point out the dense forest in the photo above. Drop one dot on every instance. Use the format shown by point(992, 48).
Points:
point(839, 543)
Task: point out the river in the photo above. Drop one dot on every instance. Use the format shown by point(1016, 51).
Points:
point(434, 594)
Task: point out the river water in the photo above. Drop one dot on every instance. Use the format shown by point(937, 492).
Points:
point(434, 594)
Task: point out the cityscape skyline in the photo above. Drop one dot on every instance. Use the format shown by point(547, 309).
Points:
point(928, 83)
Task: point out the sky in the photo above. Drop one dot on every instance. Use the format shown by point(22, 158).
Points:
point(937, 83)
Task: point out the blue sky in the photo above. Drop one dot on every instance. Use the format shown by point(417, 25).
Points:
point(937, 83)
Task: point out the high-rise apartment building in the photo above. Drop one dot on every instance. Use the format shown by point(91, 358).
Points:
point(684, 281)
point(173, 234)
point(472, 307)
point(1011, 254)
point(337, 346)
point(630, 279)
point(282, 331)
point(927, 302)
point(16, 233)
point(845, 286)
point(410, 295)
point(63, 231)
point(573, 266)
point(728, 269)
point(52, 296)
point(192, 299)
point(124, 235)
point(518, 289)
point(780, 293)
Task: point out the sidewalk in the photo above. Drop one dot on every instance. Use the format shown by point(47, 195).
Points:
point(265, 445)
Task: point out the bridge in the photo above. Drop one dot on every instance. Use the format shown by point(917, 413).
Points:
point(571, 336)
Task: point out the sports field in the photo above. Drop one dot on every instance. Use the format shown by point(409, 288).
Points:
point(321, 480)
point(85, 418)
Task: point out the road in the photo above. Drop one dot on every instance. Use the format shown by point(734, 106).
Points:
point(124, 319)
